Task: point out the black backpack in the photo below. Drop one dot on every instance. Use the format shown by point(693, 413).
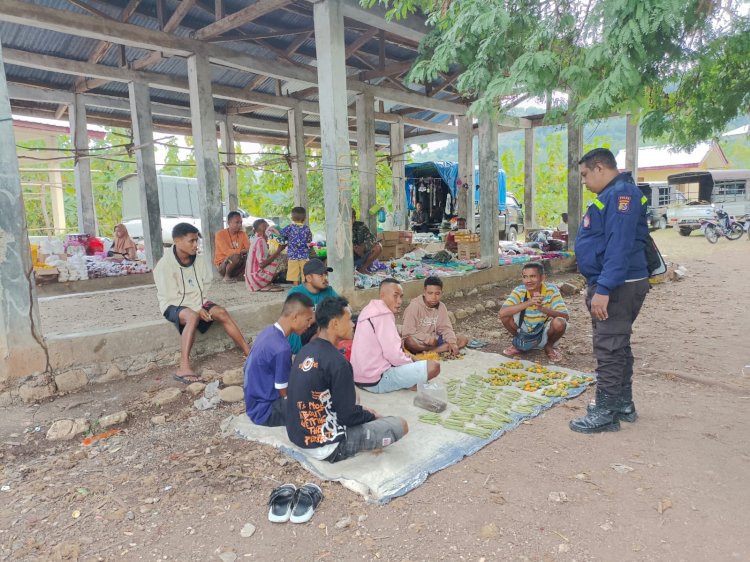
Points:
point(654, 261)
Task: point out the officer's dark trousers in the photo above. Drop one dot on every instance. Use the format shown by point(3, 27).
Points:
point(614, 358)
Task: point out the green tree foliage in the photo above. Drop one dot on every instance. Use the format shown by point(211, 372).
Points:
point(609, 55)
point(737, 152)
point(266, 187)
point(551, 175)
point(110, 161)
point(707, 96)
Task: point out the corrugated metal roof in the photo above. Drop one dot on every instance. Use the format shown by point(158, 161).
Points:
point(294, 16)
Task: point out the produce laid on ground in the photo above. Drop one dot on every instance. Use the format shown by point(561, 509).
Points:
point(482, 405)
point(435, 356)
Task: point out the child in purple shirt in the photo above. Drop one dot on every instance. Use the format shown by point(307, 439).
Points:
point(298, 236)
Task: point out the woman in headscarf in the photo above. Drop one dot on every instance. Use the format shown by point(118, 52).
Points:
point(261, 262)
point(123, 247)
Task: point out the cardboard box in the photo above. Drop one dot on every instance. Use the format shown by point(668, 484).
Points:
point(434, 247)
point(469, 250)
point(395, 251)
point(390, 236)
point(397, 236)
point(465, 236)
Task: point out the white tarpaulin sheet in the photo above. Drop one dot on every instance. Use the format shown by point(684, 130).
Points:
point(403, 466)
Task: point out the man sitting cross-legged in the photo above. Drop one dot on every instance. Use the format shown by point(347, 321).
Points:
point(534, 314)
point(426, 323)
point(379, 362)
point(267, 367)
point(323, 417)
point(182, 279)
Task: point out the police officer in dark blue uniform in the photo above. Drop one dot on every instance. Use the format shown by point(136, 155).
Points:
point(610, 250)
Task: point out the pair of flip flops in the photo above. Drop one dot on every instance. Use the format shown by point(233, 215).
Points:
point(289, 503)
point(477, 344)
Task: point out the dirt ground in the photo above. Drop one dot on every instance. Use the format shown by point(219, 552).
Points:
point(178, 491)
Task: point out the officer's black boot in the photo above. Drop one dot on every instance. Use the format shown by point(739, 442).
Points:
point(625, 409)
point(602, 416)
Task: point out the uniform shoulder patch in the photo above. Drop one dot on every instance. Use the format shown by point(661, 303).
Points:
point(623, 203)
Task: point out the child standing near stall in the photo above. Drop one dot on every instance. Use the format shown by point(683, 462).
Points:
point(298, 236)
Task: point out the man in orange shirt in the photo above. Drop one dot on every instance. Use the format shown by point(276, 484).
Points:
point(231, 247)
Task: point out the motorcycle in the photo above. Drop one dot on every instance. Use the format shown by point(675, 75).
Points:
point(724, 225)
point(745, 222)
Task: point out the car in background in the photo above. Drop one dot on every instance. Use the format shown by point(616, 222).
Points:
point(704, 191)
point(511, 219)
point(660, 197)
point(178, 202)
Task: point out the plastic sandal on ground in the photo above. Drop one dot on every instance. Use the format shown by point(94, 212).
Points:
point(281, 503)
point(309, 497)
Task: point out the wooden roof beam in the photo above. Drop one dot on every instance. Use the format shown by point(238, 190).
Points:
point(359, 42)
point(388, 71)
point(238, 19)
point(23, 13)
point(412, 27)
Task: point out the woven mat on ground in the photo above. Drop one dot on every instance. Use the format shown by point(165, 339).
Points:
point(428, 447)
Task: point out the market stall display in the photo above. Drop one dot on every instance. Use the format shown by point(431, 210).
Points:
point(78, 258)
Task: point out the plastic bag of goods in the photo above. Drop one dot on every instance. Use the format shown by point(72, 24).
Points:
point(431, 396)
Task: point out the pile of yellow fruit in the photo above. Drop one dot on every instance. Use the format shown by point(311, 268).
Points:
point(530, 386)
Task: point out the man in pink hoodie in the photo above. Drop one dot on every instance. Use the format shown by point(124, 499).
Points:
point(379, 362)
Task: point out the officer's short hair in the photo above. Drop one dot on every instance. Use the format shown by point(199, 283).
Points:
point(233, 214)
point(601, 156)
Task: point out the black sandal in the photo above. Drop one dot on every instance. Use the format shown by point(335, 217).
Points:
point(281, 503)
point(308, 498)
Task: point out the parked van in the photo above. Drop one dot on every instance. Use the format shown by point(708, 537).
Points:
point(705, 191)
point(178, 202)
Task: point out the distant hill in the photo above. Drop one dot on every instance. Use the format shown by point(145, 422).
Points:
point(609, 132)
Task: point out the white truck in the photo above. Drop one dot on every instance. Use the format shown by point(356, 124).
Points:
point(706, 191)
point(178, 201)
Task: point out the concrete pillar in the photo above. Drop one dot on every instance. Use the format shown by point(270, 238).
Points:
point(529, 179)
point(58, 200)
point(206, 150)
point(143, 136)
point(631, 146)
point(334, 127)
point(299, 161)
point(22, 348)
point(229, 170)
point(465, 166)
point(398, 163)
point(575, 187)
point(488, 190)
point(82, 168)
point(367, 166)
